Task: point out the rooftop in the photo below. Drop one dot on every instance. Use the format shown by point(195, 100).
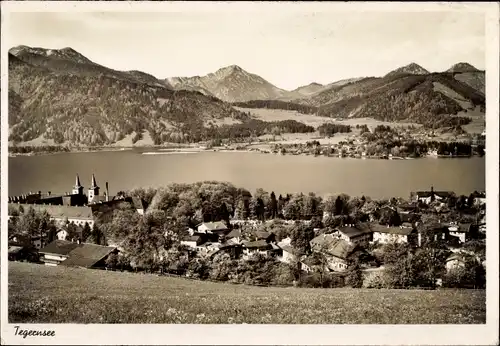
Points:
point(86, 255)
point(259, 244)
point(214, 226)
point(59, 247)
point(392, 230)
point(332, 245)
point(58, 211)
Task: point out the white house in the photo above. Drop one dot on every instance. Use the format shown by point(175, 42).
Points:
point(212, 227)
point(386, 234)
point(192, 241)
point(354, 234)
point(334, 249)
point(461, 231)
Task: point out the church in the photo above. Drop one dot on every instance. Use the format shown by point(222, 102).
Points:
point(76, 198)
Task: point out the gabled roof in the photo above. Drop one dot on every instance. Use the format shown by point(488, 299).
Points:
point(214, 226)
point(59, 211)
point(353, 231)
point(192, 238)
point(392, 230)
point(426, 194)
point(235, 233)
point(59, 247)
point(332, 245)
point(86, 255)
point(256, 244)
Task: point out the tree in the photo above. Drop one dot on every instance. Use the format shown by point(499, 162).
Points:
point(112, 261)
point(273, 206)
point(354, 277)
point(389, 217)
point(86, 232)
point(429, 264)
point(301, 235)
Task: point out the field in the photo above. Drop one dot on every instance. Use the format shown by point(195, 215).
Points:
point(40, 294)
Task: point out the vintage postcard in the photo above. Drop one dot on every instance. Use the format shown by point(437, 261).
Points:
point(255, 173)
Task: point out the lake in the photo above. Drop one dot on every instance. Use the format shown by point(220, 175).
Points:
point(125, 170)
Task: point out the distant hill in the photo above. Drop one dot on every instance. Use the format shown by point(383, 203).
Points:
point(230, 84)
point(412, 68)
point(67, 60)
point(462, 67)
point(63, 97)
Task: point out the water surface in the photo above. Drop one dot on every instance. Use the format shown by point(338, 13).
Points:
point(128, 169)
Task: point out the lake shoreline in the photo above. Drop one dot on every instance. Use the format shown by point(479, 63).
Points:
point(158, 150)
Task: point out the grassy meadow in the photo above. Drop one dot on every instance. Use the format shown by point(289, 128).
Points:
point(41, 294)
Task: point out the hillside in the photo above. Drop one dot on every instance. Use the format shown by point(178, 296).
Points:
point(230, 84)
point(71, 295)
point(422, 98)
point(65, 98)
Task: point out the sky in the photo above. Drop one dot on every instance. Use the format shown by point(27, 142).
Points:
point(287, 48)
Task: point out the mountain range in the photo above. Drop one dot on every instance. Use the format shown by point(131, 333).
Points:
point(62, 96)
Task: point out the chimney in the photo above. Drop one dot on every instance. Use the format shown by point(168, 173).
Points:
point(107, 192)
point(40, 193)
point(48, 193)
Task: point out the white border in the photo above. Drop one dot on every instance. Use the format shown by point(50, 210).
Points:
point(73, 334)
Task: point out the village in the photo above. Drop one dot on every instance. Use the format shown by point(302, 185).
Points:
point(325, 243)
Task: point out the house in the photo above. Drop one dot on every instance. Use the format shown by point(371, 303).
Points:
point(288, 253)
point(234, 236)
point(18, 252)
point(257, 247)
point(461, 231)
point(139, 204)
point(479, 198)
point(193, 241)
point(87, 255)
point(354, 234)
point(267, 236)
point(427, 197)
point(56, 252)
point(60, 213)
point(217, 227)
point(386, 234)
point(61, 252)
point(455, 261)
point(336, 250)
point(432, 231)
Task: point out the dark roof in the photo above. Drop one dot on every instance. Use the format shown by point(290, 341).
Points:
point(332, 245)
point(59, 211)
point(235, 233)
point(425, 194)
point(86, 255)
point(192, 238)
point(392, 230)
point(256, 244)
point(352, 231)
point(59, 247)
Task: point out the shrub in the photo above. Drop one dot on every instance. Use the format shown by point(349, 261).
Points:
point(374, 280)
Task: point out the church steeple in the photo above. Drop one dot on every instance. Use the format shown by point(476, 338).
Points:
point(78, 188)
point(94, 184)
point(93, 190)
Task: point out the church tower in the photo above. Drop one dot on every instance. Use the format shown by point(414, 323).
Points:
point(78, 188)
point(93, 190)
